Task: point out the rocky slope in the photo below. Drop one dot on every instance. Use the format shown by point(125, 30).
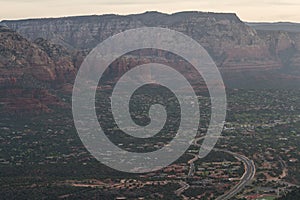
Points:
point(229, 41)
point(290, 31)
point(20, 57)
point(40, 59)
point(29, 71)
point(295, 60)
point(245, 56)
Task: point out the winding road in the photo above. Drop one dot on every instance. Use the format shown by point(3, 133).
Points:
point(248, 175)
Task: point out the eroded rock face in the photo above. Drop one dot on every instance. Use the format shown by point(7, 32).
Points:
point(27, 72)
point(62, 58)
point(284, 33)
point(77, 32)
point(41, 59)
point(19, 57)
point(280, 44)
point(295, 60)
point(55, 48)
point(228, 40)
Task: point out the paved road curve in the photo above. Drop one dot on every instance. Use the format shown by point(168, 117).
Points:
point(246, 178)
point(248, 175)
point(184, 187)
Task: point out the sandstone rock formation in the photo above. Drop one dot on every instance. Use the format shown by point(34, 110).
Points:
point(28, 71)
point(33, 69)
point(228, 40)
